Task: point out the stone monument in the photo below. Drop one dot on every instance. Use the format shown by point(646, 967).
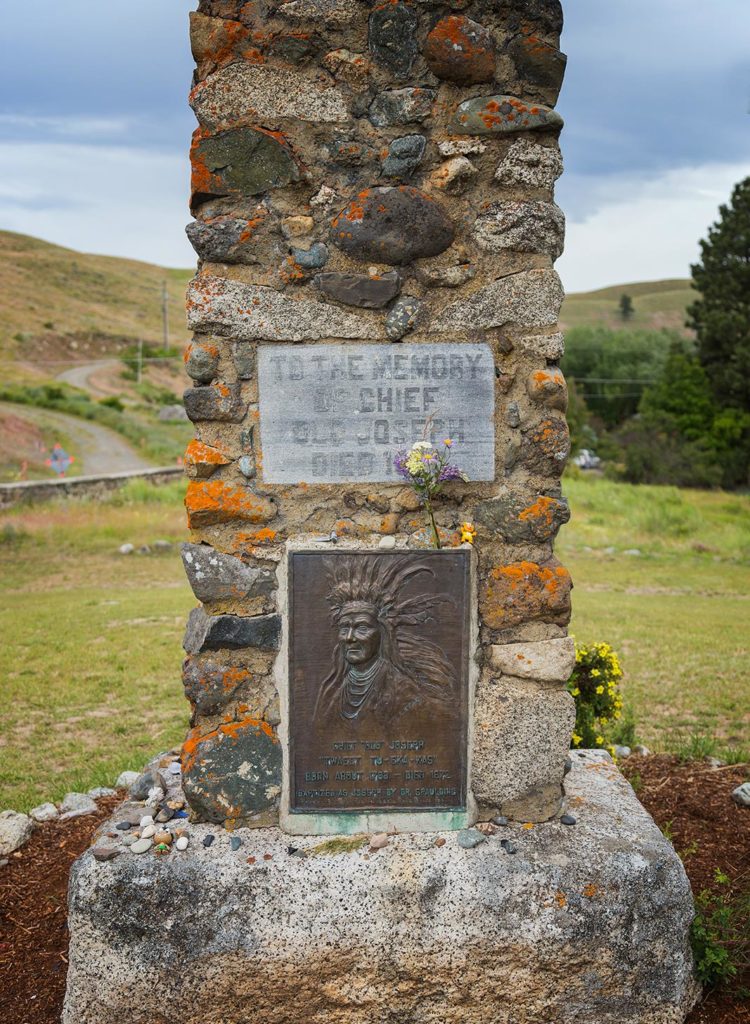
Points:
point(386, 823)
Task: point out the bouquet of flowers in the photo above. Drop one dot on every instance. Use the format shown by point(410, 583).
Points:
point(426, 467)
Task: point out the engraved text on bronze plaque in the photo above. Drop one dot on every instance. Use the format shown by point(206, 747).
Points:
point(378, 680)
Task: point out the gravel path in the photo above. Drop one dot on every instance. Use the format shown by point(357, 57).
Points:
point(97, 449)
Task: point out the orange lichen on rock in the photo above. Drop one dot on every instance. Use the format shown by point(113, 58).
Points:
point(202, 180)
point(196, 738)
point(526, 592)
point(202, 460)
point(215, 501)
point(542, 510)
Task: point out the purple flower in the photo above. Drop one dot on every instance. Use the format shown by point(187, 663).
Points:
point(450, 472)
point(399, 463)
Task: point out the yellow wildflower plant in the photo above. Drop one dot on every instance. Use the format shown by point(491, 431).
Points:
point(468, 533)
point(594, 685)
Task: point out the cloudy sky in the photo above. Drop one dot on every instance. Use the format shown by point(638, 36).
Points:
point(94, 129)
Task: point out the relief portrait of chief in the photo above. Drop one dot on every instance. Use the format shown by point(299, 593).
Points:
point(388, 667)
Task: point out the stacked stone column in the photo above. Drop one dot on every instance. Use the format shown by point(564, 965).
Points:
point(378, 173)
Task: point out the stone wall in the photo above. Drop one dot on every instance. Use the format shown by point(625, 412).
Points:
point(375, 173)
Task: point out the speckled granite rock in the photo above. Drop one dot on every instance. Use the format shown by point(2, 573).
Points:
point(586, 924)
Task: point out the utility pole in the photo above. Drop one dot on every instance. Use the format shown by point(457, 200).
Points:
point(165, 314)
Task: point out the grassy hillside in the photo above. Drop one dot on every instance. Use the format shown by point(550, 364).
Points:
point(58, 304)
point(657, 304)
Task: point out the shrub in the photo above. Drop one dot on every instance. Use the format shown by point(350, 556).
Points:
point(720, 933)
point(112, 402)
point(595, 687)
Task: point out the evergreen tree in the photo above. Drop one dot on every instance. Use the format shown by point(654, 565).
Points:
point(626, 307)
point(721, 317)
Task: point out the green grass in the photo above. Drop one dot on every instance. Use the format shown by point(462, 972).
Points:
point(90, 664)
point(657, 304)
point(677, 613)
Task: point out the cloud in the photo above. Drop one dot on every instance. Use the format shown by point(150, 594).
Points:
point(648, 229)
point(113, 200)
point(653, 85)
point(14, 126)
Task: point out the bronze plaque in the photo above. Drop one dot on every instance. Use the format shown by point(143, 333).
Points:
point(378, 680)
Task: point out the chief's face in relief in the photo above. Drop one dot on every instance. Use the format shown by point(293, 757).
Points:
point(359, 636)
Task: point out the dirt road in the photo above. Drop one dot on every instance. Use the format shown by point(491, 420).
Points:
point(81, 376)
point(97, 449)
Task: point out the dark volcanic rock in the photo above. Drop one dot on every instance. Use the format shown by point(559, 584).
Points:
point(224, 239)
point(242, 160)
point(392, 225)
point(210, 683)
point(216, 779)
point(202, 361)
point(544, 449)
point(404, 155)
point(360, 289)
point(546, 16)
point(460, 50)
point(393, 40)
point(313, 258)
point(518, 519)
point(539, 65)
point(215, 576)
point(231, 632)
point(221, 402)
point(401, 106)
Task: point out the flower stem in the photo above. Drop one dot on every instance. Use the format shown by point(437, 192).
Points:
point(433, 525)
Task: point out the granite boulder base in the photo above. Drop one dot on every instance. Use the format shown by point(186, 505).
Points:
point(586, 924)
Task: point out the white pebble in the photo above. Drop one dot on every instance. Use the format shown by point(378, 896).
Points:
point(147, 819)
point(148, 831)
point(141, 846)
point(182, 843)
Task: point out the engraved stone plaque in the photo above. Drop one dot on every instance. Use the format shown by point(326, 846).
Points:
point(339, 413)
point(378, 681)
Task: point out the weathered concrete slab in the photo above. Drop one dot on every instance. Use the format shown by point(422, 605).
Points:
point(586, 924)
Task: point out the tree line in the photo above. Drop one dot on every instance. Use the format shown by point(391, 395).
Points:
point(663, 408)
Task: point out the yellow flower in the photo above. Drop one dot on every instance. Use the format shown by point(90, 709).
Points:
point(600, 741)
point(595, 673)
point(468, 533)
point(576, 692)
point(447, 442)
point(604, 721)
point(600, 689)
point(577, 740)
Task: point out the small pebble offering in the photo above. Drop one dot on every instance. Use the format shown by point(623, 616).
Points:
point(148, 831)
point(207, 840)
point(235, 842)
point(567, 819)
point(182, 843)
point(141, 846)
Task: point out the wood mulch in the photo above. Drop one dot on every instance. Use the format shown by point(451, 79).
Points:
point(691, 802)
